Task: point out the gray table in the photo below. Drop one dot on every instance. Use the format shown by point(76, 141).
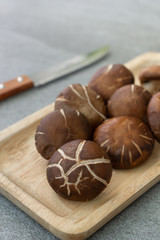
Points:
point(35, 34)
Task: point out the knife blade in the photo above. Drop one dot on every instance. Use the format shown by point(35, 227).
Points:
point(24, 82)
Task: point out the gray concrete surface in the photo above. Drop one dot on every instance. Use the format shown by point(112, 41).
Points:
point(35, 34)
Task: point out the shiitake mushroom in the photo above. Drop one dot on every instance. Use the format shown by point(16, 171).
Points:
point(85, 100)
point(129, 100)
point(150, 78)
point(79, 170)
point(109, 78)
point(127, 140)
point(58, 128)
point(154, 115)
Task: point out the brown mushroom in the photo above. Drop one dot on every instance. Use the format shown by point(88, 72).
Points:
point(150, 78)
point(85, 100)
point(109, 78)
point(58, 128)
point(80, 170)
point(154, 115)
point(129, 100)
point(127, 140)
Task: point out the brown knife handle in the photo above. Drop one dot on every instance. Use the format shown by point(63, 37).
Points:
point(14, 86)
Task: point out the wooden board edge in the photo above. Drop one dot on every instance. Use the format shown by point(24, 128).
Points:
point(21, 198)
point(120, 208)
point(140, 58)
point(139, 189)
point(15, 198)
point(78, 231)
point(25, 122)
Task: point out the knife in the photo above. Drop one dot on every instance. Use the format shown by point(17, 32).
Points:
point(25, 82)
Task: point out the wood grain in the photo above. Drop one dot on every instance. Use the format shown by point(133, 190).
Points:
point(15, 86)
point(23, 179)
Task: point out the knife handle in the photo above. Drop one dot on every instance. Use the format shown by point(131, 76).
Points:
point(14, 86)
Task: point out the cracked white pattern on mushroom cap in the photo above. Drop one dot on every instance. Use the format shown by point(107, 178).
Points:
point(90, 104)
point(132, 88)
point(140, 125)
point(40, 133)
point(76, 92)
point(87, 162)
point(137, 147)
point(103, 143)
point(129, 126)
point(78, 113)
point(130, 157)
point(63, 114)
point(84, 98)
point(65, 121)
point(122, 78)
point(143, 136)
point(122, 154)
point(79, 150)
point(98, 96)
point(108, 149)
point(78, 163)
point(65, 156)
point(109, 67)
point(96, 177)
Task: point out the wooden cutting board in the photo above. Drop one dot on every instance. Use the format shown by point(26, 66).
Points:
point(23, 179)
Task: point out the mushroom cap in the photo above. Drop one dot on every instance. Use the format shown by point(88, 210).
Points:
point(85, 100)
point(154, 115)
point(129, 100)
point(150, 73)
point(58, 128)
point(150, 78)
point(109, 78)
point(80, 170)
point(127, 140)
